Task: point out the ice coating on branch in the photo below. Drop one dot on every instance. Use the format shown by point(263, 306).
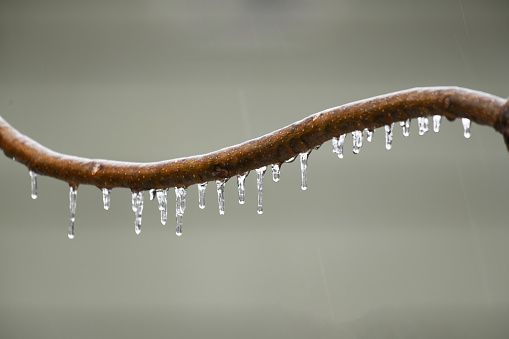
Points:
point(436, 122)
point(137, 206)
point(292, 159)
point(388, 136)
point(180, 207)
point(337, 145)
point(406, 127)
point(357, 141)
point(241, 179)
point(369, 134)
point(423, 125)
point(259, 185)
point(276, 172)
point(466, 127)
point(152, 194)
point(220, 195)
point(73, 194)
point(33, 184)
point(201, 194)
point(162, 199)
point(106, 198)
point(303, 170)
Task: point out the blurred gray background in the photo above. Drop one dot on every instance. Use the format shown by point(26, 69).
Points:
point(411, 242)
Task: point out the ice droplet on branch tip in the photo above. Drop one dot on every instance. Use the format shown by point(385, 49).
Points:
point(259, 185)
point(73, 193)
point(162, 199)
point(337, 145)
point(357, 141)
point(436, 123)
point(201, 194)
point(241, 180)
point(369, 134)
point(276, 172)
point(137, 206)
point(152, 194)
point(388, 136)
point(423, 125)
point(303, 170)
point(106, 198)
point(406, 127)
point(220, 195)
point(466, 127)
point(180, 207)
point(33, 184)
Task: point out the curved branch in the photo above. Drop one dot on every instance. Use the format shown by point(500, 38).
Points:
point(272, 148)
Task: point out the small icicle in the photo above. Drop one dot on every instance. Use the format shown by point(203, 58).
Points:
point(220, 195)
point(106, 198)
point(276, 172)
point(357, 141)
point(241, 178)
point(33, 184)
point(369, 134)
point(259, 184)
point(423, 125)
point(180, 207)
point(337, 145)
point(303, 170)
point(137, 200)
point(406, 127)
point(388, 136)
point(162, 199)
point(201, 195)
point(73, 193)
point(436, 122)
point(466, 127)
point(152, 194)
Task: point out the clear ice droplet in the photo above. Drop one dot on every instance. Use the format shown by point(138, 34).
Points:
point(106, 198)
point(259, 184)
point(180, 207)
point(201, 194)
point(406, 127)
point(357, 141)
point(466, 127)
point(137, 206)
point(33, 184)
point(152, 194)
point(162, 199)
point(436, 122)
point(73, 194)
point(303, 170)
point(276, 172)
point(241, 179)
point(369, 134)
point(220, 195)
point(337, 145)
point(423, 125)
point(388, 136)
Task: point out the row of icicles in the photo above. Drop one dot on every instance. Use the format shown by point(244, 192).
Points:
point(180, 192)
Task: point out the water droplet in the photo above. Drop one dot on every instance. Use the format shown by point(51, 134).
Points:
point(152, 194)
point(180, 207)
point(466, 127)
point(220, 195)
point(423, 125)
point(137, 205)
point(259, 184)
point(357, 141)
point(436, 122)
point(162, 199)
point(73, 194)
point(241, 178)
point(388, 136)
point(303, 170)
point(406, 127)
point(276, 172)
point(337, 145)
point(106, 198)
point(33, 184)
point(369, 134)
point(201, 195)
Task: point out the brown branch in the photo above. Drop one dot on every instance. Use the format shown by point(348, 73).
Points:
point(272, 148)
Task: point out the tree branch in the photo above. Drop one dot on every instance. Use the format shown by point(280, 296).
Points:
point(272, 148)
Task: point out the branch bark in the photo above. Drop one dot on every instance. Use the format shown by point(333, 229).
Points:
point(272, 148)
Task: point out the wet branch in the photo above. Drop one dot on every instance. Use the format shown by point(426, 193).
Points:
point(272, 148)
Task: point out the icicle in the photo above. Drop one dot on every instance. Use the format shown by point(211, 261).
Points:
point(259, 184)
point(423, 125)
point(180, 207)
point(406, 127)
point(152, 194)
point(388, 136)
point(369, 134)
point(337, 145)
point(241, 178)
point(303, 170)
point(276, 172)
point(466, 127)
point(162, 199)
point(106, 198)
point(220, 195)
point(137, 205)
point(357, 141)
point(436, 122)
point(73, 193)
point(201, 195)
point(33, 184)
